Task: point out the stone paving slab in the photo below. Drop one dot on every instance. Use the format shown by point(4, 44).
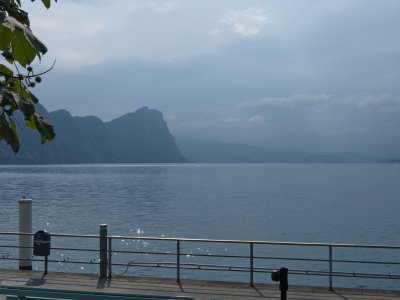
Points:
point(202, 290)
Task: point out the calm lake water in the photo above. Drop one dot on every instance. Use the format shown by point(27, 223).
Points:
point(333, 203)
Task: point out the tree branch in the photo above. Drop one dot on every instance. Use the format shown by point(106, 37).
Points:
point(28, 76)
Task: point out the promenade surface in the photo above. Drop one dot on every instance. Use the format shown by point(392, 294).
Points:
point(203, 290)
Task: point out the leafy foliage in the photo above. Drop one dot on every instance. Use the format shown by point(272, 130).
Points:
point(19, 48)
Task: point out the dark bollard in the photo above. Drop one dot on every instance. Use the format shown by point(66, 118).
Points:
point(103, 251)
point(281, 275)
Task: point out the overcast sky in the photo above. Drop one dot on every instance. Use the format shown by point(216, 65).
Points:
point(313, 75)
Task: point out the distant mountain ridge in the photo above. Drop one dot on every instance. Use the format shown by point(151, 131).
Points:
point(206, 151)
point(143, 137)
point(138, 137)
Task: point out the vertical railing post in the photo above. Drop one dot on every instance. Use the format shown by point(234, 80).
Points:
point(251, 264)
point(46, 264)
point(109, 257)
point(330, 269)
point(178, 261)
point(103, 251)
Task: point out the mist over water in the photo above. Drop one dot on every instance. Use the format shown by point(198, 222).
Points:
point(333, 203)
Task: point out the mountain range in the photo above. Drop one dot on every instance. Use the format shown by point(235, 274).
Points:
point(138, 137)
point(142, 137)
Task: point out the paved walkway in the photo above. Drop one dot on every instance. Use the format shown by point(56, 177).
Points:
point(202, 290)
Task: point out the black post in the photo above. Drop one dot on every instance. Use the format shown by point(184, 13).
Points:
point(281, 275)
point(251, 264)
point(46, 262)
point(109, 257)
point(330, 269)
point(283, 284)
point(103, 251)
point(178, 261)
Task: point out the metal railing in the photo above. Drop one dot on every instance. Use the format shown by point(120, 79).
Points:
point(248, 256)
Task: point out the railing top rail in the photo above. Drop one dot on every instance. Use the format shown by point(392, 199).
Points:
point(213, 240)
point(257, 242)
point(53, 234)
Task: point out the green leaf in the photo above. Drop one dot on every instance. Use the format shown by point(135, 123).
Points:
point(8, 55)
point(19, 44)
point(34, 41)
point(6, 97)
point(33, 97)
point(16, 12)
point(46, 3)
point(22, 50)
point(4, 71)
point(8, 133)
point(20, 89)
point(30, 122)
point(25, 45)
point(26, 107)
point(45, 129)
point(12, 126)
point(5, 40)
point(13, 99)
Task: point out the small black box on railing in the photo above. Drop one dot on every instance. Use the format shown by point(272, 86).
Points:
point(41, 243)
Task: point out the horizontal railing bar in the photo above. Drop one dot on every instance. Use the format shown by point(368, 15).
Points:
point(256, 257)
point(74, 262)
point(76, 249)
point(53, 234)
point(212, 240)
point(181, 254)
point(362, 275)
point(366, 262)
point(224, 256)
point(327, 260)
point(157, 263)
point(11, 258)
point(228, 267)
point(214, 269)
point(52, 248)
point(172, 265)
point(132, 264)
point(16, 233)
point(207, 267)
point(143, 252)
point(348, 275)
point(292, 258)
point(53, 261)
point(255, 242)
point(210, 267)
point(219, 255)
point(13, 246)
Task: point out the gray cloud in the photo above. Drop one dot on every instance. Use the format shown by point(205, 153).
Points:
point(92, 32)
point(381, 103)
point(290, 101)
point(247, 23)
point(384, 103)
